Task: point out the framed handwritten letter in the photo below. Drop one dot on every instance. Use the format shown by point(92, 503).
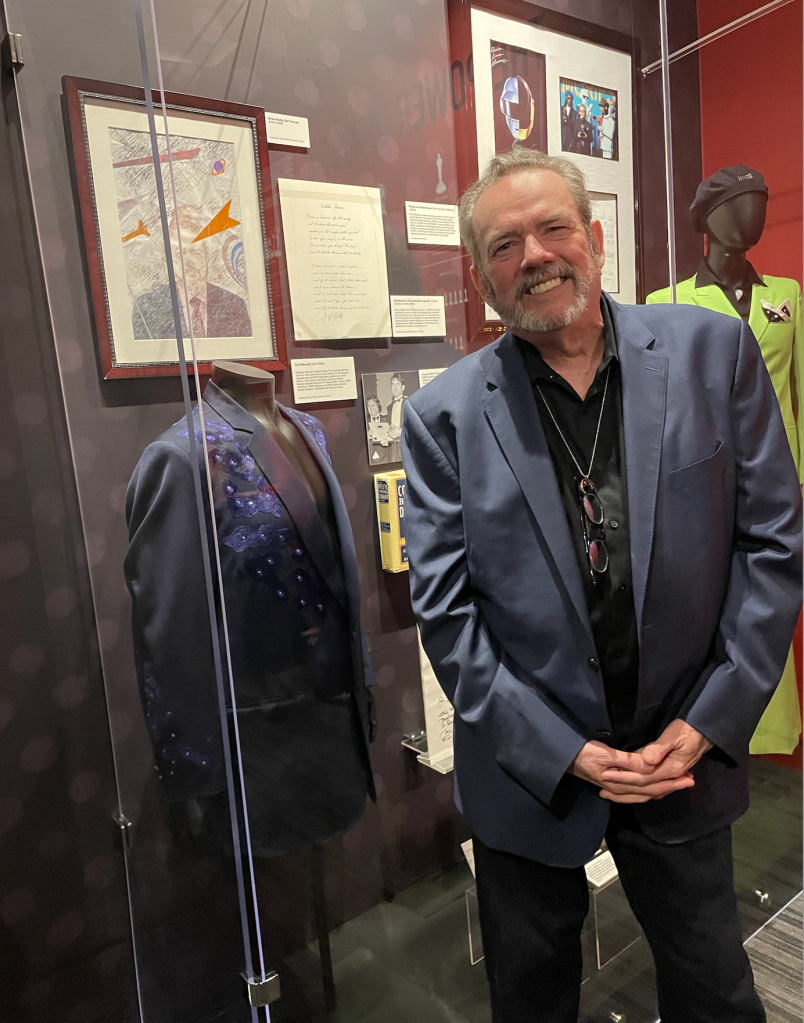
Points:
point(335, 250)
point(212, 157)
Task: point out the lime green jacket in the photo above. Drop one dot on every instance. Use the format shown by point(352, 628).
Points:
point(781, 343)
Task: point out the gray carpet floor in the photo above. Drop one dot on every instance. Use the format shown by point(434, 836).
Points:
point(776, 954)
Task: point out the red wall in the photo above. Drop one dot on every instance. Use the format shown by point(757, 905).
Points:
point(751, 88)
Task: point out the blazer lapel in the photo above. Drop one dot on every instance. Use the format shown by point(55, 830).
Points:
point(342, 523)
point(757, 320)
point(300, 505)
point(711, 296)
point(283, 478)
point(644, 389)
point(514, 418)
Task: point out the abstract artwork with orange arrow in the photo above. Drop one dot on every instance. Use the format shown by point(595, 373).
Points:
point(220, 222)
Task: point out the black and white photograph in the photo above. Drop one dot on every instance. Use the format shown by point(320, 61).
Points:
point(384, 397)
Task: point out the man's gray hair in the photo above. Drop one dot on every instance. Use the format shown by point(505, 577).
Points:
point(517, 161)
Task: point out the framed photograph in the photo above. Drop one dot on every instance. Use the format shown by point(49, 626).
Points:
point(221, 227)
point(384, 397)
point(550, 82)
point(588, 120)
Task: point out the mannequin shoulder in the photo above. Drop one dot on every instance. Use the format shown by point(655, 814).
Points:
point(664, 296)
point(783, 287)
point(314, 427)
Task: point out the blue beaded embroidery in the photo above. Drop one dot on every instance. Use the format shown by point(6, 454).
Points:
point(167, 745)
point(215, 431)
point(246, 504)
point(244, 537)
point(313, 424)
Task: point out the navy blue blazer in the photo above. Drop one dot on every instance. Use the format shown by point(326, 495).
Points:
point(299, 661)
point(715, 522)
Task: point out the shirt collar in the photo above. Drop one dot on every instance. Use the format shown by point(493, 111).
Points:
point(706, 275)
point(539, 370)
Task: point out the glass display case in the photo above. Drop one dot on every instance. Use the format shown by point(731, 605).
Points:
point(246, 218)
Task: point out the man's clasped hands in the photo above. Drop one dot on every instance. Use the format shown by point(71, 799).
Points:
point(652, 772)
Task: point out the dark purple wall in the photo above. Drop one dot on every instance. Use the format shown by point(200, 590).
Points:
point(65, 942)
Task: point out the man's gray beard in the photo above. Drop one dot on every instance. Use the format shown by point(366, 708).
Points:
point(517, 318)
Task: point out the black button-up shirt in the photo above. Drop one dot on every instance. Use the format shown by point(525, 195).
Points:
point(609, 597)
point(742, 304)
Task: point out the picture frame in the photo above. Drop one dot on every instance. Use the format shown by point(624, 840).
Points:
point(384, 397)
point(223, 215)
point(517, 56)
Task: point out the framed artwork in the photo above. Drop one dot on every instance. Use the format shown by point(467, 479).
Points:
point(221, 226)
point(550, 82)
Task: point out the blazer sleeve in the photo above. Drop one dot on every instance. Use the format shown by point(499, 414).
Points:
point(170, 624)
point(763, 597)
point(528, 739)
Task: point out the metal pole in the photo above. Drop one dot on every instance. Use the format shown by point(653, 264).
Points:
point(668, 148)
point(718, 33)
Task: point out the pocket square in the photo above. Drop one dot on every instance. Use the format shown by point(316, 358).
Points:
point(778, 314)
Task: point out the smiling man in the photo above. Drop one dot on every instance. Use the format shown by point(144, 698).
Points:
point(603, 526)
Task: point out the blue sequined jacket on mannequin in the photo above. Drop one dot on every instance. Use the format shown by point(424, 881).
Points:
point(300, 666)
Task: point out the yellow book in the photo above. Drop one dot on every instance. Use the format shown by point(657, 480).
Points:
point(389, 490)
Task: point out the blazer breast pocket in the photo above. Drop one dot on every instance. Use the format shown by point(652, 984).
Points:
point(698, 472)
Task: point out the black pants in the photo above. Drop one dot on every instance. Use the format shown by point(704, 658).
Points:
point(531, 917)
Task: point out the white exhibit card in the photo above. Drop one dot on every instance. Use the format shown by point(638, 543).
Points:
point(432, 223)
point(426, 375)
point(438, 714)
point(601, 870)
point(287, 130)
point(328, 379)
point(418, 316)
point(335, 250)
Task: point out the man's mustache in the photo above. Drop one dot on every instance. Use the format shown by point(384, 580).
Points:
point(533, 277)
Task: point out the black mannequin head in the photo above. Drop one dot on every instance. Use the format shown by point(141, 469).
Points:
point(737, 224)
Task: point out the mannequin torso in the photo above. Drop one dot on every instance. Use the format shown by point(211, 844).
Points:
point(727, 283)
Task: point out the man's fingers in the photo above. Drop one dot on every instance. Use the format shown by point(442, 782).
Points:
point(666, 771)
point(655, 752)
point(622, 761)
point(656, 790)
point(613, 798)
point(641, 796)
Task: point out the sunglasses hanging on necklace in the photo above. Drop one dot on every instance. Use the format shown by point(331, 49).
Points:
point(591, 509)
